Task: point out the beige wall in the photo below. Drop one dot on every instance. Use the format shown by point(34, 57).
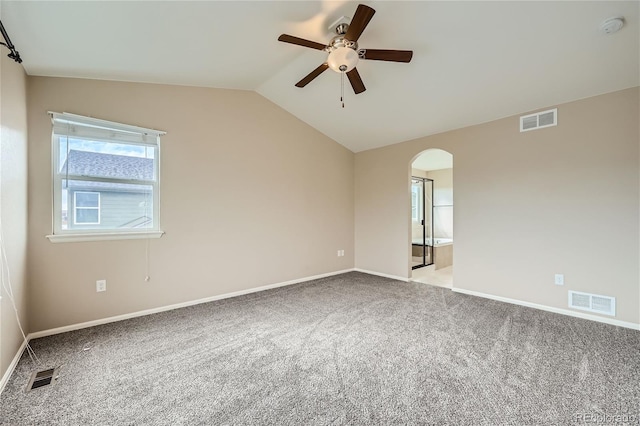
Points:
point(250, 196)
point(442, 186)
point(418, 173)
point(527, 205)
point(13, 203)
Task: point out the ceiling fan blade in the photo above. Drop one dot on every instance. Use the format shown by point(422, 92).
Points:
point(301, 42)
point(313, 74)
point(386, 55)
point(359, 22)
point(356, 81)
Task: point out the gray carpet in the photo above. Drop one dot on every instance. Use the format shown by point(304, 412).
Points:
point(349, 349)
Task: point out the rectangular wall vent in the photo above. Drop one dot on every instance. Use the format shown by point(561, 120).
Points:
point(42, 378)
point(539, 120)
point(592, 302)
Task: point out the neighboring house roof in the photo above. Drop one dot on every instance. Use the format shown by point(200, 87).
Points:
point(85, 163)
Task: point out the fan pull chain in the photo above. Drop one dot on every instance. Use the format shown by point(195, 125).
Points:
point(342, 88)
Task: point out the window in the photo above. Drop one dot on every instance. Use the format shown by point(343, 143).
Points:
point(416, 202)
point(86, 207)
point(105, 179)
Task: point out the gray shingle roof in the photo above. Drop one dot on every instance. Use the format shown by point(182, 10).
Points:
point(84, 163)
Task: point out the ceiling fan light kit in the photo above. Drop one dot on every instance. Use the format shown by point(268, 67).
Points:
point(343, 52)
point(342, 59)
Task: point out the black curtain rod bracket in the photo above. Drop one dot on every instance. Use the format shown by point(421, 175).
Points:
point(13, 54)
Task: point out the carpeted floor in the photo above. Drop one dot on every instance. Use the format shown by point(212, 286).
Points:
point(349, 349)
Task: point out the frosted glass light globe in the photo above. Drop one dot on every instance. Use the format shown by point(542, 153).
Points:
point(342, 56)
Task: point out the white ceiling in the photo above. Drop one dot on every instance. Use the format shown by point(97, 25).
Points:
point(473, 61)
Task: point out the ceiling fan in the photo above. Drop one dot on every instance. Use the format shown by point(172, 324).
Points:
point(343, 50)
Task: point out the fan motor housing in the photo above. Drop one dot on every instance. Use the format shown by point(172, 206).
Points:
point(340, 41)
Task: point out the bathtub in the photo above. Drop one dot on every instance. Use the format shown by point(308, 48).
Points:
point(442, 250)
point(438, 242)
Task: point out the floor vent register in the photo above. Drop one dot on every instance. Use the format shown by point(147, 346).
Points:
point(42, 378)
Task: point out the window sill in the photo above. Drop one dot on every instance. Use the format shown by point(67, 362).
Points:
point(73, 238)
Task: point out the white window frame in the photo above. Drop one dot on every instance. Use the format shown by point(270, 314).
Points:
point(89, 128)
point(75, 208)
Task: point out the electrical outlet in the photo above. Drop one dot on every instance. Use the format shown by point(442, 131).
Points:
point(559, 279)
point(101, 285)
point(340, 253)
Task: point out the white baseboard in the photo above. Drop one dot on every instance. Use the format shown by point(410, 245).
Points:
point(12, 366)
point(116, 318)
point(380, 274)
point(561, 311)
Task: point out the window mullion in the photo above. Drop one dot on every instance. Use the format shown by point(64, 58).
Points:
point(107, 180)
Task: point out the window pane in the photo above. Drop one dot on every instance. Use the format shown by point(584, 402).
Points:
point(122, 206)
point(106, 160)
point(87, 199)
point(87, 216)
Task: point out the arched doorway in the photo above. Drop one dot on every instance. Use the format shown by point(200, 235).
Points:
point(431, 215)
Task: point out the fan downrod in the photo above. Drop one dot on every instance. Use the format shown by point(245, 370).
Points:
point(341, 29)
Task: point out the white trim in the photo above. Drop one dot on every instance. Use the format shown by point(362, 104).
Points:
point(56, 186)
point(107, 180)
point(104, 236)
point(381, 274)
point(96, 122)
point(561, 311)
point(116, 318)
point(12, 366)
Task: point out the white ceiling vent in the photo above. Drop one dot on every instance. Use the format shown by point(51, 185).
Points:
point(539, 120)
point(592, 302)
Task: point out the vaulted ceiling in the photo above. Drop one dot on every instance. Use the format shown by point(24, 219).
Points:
point(473, 61)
